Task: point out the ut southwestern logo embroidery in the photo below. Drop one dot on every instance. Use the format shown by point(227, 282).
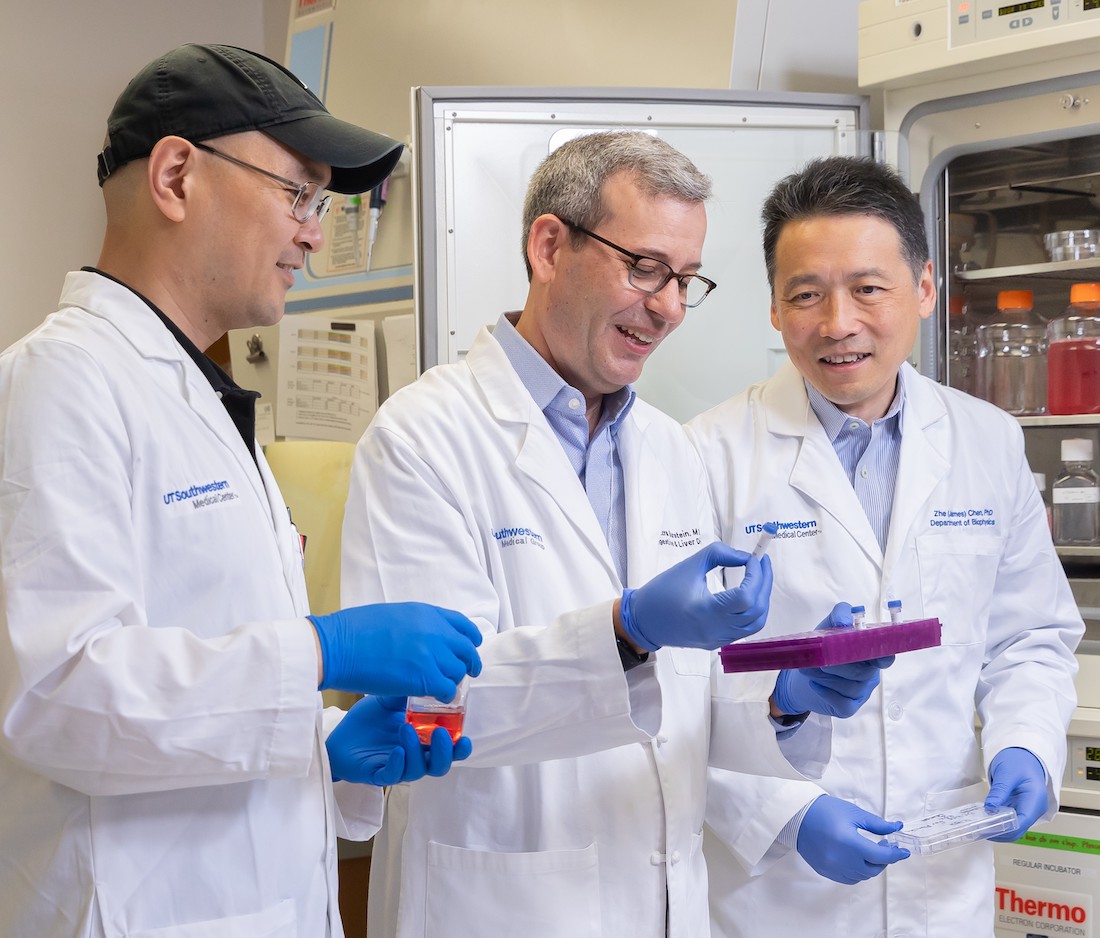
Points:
point(202, 495)
point(798, 528)
point(513, 537)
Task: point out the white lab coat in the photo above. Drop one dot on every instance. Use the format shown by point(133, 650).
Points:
point(584, 796)
point(161, 759)
point(1010, 626)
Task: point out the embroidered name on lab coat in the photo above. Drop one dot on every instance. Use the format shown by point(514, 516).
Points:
point(962, 518)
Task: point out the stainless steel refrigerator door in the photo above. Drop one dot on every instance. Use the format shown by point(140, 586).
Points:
point(476, 149)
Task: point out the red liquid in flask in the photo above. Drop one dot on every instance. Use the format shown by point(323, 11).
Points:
point(1073, 376)
point(424, 722)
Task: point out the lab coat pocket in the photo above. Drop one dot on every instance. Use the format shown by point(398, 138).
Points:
point(936, 801)
point(957, 576)
point(546, 894)
point(279, 921)
point(695, 661)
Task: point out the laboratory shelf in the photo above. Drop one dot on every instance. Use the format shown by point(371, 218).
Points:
point(1061, 420)
point(1052, 270)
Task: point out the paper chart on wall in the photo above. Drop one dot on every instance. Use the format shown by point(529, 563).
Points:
point(328, 378)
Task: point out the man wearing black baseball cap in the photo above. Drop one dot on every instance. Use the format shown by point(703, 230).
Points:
point(166, 764)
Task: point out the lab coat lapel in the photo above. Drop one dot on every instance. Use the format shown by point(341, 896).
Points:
point(924, 459)
point(137, 324)
point(817, 472)
point(647, 488)
point(539, 454)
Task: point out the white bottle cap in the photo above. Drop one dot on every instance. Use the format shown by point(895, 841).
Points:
point(1076, 450)
point(1040, 480)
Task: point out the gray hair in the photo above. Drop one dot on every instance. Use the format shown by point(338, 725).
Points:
point(569, 182)
point(846, 185)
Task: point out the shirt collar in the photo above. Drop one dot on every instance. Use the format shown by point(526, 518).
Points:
point(833, 419)
point(543, 383)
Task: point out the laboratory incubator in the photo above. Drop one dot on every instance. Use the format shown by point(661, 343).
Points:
point(992, 111)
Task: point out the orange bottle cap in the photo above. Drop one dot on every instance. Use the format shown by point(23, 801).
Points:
point(1084, 293)
point(1014, 299)
point(956, 305)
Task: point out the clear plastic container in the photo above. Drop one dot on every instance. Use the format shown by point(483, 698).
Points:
point(1073, 245)
point(948, 829)
point(427, 713)
point(1073, 354)
point(1075, 497)
point(1012, 366)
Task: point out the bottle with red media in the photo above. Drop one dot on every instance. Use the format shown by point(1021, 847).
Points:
point(1073, 354)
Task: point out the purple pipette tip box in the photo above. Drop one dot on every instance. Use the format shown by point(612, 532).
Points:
point(822, 647)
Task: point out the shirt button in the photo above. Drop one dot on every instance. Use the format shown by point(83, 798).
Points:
point(895, 710)
point(863, 473)
point(675, 856)
point(574, 404)
point(656, 858)
point(661, 739)
point(853, 426)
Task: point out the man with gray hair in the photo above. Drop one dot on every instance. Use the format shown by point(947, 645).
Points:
point(528, 486)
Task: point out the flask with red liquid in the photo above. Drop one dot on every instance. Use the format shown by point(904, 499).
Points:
point(1073, 354)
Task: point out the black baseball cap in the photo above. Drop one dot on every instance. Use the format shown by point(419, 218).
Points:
point(202, 91)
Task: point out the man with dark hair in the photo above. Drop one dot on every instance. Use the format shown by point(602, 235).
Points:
point(902, 490)
point(165, 762)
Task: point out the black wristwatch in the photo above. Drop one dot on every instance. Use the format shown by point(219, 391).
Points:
point(628, 656)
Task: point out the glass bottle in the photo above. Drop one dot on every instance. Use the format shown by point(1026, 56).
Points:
point(1073, 354)
point(1076, 497)
point(1012, 356)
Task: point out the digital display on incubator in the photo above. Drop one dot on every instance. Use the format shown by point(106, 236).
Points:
point(1092, 773)
point(1091, 5)
point(1092, 753)
point(1029, 5)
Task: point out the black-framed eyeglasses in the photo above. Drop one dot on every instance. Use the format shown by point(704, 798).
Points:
point(649, 275)
point(308, 196)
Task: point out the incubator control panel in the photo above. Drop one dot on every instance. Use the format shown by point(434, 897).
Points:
point(1082, 764)
point(978, 20)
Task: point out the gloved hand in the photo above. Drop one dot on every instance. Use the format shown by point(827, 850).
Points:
point(374, 744)
point(837, 690)
point(397, 648)
point(1018, 780)
point(829, 839)
point(677, 608)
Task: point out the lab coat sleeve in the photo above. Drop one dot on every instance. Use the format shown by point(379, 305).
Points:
point(1025, 695)
point(358, 806)
point(92, 694)
point(548, 690)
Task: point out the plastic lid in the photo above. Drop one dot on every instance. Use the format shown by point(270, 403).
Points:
point(1014, 299)
point(954, 828)
point(858, 609)
point(1084, 293)
point(1040, 480)
point(1076, 450)
point(894, 604)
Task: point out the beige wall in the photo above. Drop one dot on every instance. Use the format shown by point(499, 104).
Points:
point(62, 64)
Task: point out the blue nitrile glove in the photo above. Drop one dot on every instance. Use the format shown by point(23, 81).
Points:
point(829, 839)
point(837, 690)
point(374, 744)
point(677, 608)
point(397, 648)
point(1017, 780)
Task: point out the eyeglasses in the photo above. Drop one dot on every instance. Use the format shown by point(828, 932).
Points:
point(650, 275)
point(308, 196)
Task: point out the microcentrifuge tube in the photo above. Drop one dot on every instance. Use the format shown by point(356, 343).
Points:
point(895, 611)
point(770, 527)
point(858, 613)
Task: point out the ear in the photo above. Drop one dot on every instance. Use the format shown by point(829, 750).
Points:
point(775, 318)
point(926, 291)
point(170, 163)
point(545, 241)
